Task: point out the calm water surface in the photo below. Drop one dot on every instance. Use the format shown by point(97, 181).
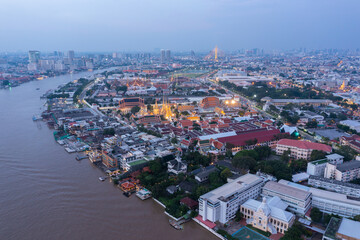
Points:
point(46, 194)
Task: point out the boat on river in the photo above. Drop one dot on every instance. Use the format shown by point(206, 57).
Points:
point(175, 224)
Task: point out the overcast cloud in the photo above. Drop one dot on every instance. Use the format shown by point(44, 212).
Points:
point(117, 25)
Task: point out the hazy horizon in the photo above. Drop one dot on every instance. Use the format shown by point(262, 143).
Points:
point(179, 25)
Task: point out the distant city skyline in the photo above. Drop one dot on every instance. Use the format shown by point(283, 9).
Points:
point(185, 25)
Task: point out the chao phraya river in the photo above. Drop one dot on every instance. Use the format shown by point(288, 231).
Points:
point(46, 194)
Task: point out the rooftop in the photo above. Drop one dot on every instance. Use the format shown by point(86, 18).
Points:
point(349, 228)
point(275, 205)
point(320, 161)
point(347, 166)
point(333, 196)
point(305, 145)
point(287, 190)
point(345, 184)
point(332, 228)
point(225, 191)
point(301, 100)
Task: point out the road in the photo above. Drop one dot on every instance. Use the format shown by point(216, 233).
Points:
point(244, 99)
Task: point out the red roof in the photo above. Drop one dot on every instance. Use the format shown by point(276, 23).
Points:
point(185, 142)
point(305, 145)
point(226, 120)
point(225, 125)
point(218, 145)
point(206, 222)
point(127, 185)
point(189, 202)
point(186, 123)
point(261, 136)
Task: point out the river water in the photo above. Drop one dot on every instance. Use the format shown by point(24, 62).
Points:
point(46, 194)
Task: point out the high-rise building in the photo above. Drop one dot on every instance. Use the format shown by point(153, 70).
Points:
point(162, 55)
point(168, 55)
point(34, 56)
point(71, 55)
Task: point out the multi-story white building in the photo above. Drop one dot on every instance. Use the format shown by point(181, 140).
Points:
point(316, 168)
point(299, 201)
point(335, 203)
point(349, 189)
point(222, 203)
point(329, 202)
point(335, 158)
point(300, 149)
point(345, 172)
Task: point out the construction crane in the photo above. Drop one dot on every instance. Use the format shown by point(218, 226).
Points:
point(339, 63)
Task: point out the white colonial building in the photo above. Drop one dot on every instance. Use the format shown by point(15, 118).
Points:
point(270, 215)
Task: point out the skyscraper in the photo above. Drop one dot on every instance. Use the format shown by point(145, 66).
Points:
point(71, 54)
point(168, 55)
point(162, 55)
point(34, 56)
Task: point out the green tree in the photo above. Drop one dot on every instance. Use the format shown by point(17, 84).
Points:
point(135, 109)
point(295, 232)
point(109, 131)
point(316, 214)
point(238, 215)
point(150, 107)
point(174, 140)
point(215, 180)
point(200, 190)
point(155, 166)
point(185, 113)
point(285, 157)
point(121, 88)
point(244, 162)
point(225, 174)
point(347, 152)
point(356, 218)
point(241, 113)
point(316, 155)
point(312, 124)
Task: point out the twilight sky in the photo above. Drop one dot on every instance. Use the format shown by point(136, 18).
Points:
point(118, 25)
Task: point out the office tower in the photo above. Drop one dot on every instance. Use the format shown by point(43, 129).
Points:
point(168, 55)
point(162, 55)
point(71, 54)
point(34, 57)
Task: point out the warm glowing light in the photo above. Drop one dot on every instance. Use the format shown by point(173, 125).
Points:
point(226, 102)
point(233, 101)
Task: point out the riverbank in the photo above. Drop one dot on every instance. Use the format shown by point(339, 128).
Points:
point(48, 193)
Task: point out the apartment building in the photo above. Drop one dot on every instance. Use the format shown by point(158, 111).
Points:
point(349, 189)
point(299, 201)
point(300, 149)
point(344, 172)
point(329, 202)
point(222, 203)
